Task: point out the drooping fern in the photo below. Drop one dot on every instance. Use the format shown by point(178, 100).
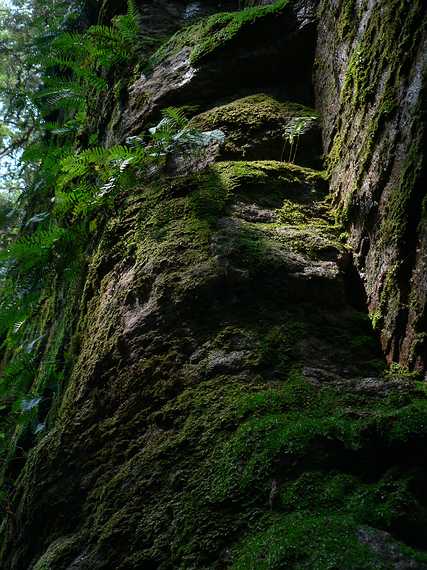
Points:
point(76, 64)
point(35, 249)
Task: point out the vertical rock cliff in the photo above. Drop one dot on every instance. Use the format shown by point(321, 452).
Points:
point(371, 92)
point(225, 401)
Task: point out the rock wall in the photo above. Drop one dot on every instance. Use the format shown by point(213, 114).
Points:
point(225, 403)
point(371, 91)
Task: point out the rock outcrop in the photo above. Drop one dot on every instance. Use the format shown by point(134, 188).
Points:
point(371, 92)
point(219, 346)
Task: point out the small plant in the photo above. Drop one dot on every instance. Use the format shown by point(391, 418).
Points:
point(398, 371)
point(293, 130)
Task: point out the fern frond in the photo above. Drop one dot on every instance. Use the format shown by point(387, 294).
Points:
point(68, 42)
point(68, 94)
point(120, 152)
point(177, 116)
point(59, 129)
point(77, 201)
point(107, 33)
point(17, 376)
point(30, 251)
point(134, 14)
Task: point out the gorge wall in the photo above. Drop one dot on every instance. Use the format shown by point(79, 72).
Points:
point(225, 401)
point(371, 90)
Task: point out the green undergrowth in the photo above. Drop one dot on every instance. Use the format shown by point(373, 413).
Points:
point(38, 359)
point(211, 34)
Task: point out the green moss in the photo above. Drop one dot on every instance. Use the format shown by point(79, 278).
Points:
point(305, 541)
point(392, 39)
point(211, 34)
point(373, 83)
point(271, 181)
point(252, 112)
point(389, 297)
point(384, 111)
point(257, 127)
point(181, 211)
point(399, 372)
point(278, 349)
point(397, 211)
point(334, 154)
point(298, 425)
point(345, 20)
point(292, 213)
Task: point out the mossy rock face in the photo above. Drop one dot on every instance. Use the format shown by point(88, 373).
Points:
point(224, 55)
point(160, 455)
point(218, 31)
point(227, 405)
point(261, 127)
point(371, 94)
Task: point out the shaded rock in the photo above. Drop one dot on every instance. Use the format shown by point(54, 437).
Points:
point(253, 213)
point(317, 242)
point(388, 550)
point(372, 98)
point(261, 127)
point(220, 362)
point(270, 183)
point(184, 69)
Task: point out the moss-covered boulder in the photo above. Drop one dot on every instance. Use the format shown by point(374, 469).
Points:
point(194, 318)
point(261, 127)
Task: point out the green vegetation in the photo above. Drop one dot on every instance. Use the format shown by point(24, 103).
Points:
point(70, 191)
